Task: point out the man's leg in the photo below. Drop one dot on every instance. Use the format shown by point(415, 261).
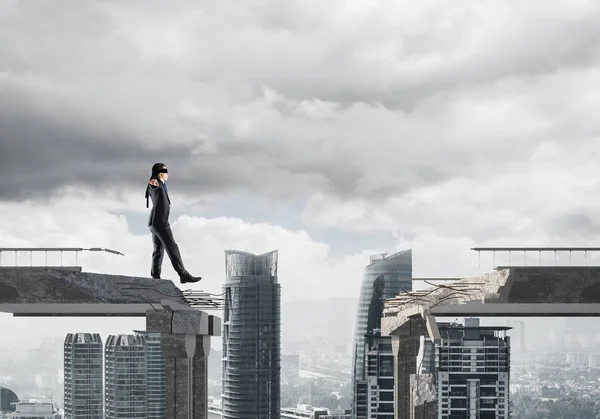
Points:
point(157, 256)
point(165, 235)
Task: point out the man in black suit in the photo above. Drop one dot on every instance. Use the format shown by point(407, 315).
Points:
point(158, 222)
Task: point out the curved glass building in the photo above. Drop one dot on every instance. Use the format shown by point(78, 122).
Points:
point(384, 278)
point(251, 337)
point(8, 400)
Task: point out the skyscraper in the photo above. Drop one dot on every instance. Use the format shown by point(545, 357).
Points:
point(473, 371)
point(155, 375)
point(83, 376)
point(126, 377)
point(385, 277)
point(251, 337)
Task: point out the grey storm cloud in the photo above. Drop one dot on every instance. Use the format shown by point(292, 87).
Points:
point(87, 88)
point(40, 154)
point(575, 224)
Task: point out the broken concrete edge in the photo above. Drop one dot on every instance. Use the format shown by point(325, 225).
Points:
point(52, 286)
point(214, 325)
point(414, 327)
point(176, 318)
point(175, 306)
point(487, 286)
point(423, 388)
point(430, 322)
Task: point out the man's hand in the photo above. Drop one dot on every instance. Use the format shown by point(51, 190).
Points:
point(153, 182)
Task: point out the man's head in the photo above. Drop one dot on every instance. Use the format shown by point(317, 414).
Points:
point(159, 171)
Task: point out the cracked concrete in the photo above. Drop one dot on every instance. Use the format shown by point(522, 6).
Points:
point(49, 292)
point(516, 291)
point(397, 311)
point(424, 396)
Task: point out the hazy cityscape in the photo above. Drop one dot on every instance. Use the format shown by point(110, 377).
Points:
point(554, 364)
point(323, 378)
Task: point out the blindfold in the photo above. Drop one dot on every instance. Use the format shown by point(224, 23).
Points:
point(154, 174)
point(157, 171)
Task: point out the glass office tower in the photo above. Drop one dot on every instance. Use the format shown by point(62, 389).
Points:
point(385, 277)
point(251, 337)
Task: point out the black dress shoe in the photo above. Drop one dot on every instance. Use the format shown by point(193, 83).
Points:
point(187, 277)
point(156, 277)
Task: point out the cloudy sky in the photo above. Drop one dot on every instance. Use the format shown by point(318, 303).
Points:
point(327, 130)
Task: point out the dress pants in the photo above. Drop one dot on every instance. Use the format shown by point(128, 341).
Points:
point(162, 237)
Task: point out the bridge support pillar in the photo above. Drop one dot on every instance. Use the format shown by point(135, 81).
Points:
point(424, 403)
point(405, 347)
point(185, 340)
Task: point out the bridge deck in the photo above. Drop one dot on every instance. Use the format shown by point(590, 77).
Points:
point(63, 292)
point(532, 291)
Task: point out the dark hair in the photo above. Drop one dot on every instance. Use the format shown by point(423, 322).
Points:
point(156, 168)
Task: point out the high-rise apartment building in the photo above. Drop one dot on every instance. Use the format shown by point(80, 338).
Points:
point(155, 378)
point(83, 376)
point(385, 277)
point(473, 371)
point(251, 337)
point(379, 377)
point(125, 377)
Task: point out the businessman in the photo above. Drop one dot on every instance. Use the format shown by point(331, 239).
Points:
point(158, 222)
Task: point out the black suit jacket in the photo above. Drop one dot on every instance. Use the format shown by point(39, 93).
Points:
point(161, 205)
